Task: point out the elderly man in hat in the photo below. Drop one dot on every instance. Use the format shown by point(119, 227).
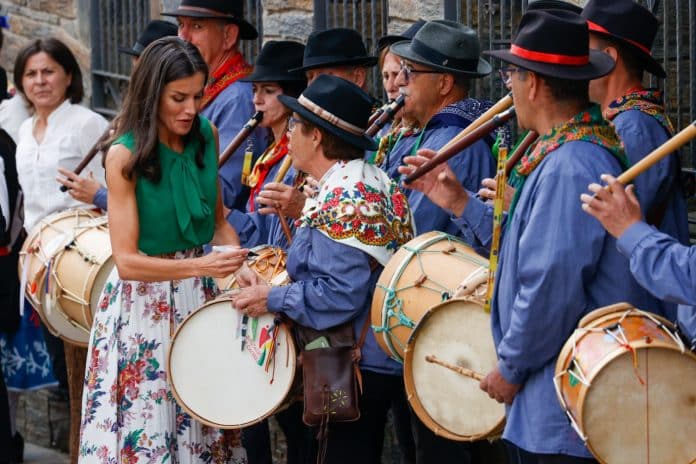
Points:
point(85, 188)
point(338, 252)
point(626, 30)
point(437, 67)
point(216, 27)
point(555, 264)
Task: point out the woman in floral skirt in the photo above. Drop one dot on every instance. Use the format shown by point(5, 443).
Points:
point(164, 204)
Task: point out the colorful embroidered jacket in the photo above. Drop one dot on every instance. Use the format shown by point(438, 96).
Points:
point(556, 264)
point(354, 221)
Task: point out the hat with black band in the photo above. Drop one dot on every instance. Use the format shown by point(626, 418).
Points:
point(227, 10)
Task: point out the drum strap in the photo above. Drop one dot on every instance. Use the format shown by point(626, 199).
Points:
point(501, 182)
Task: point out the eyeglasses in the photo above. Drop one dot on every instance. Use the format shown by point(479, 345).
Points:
point(408, 71)
point(506, 74)
point(292, 122)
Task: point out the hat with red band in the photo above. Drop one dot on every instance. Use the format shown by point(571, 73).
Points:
point(629, 23)
point(555, 43)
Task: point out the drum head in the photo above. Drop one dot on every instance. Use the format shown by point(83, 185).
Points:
point(218, 383)
point(630, 423)
point(451, 405)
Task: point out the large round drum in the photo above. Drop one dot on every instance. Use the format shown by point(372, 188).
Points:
point(67, 259)
point(228, 370)
point(627, 381)
point(422, 273)
point(268, 262)
point(457, 332)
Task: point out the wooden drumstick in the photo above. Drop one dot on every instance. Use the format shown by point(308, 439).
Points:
point(458, 369)
point(284, 167)
point(502, 104)
point(670, 146)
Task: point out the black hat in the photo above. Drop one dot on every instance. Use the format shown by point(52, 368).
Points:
point(325, 104)
point(629, 23)
point(553, 5)
point(567, 56)
point(335, 47)
point(274, 61)
point(447, 46)
point(229, 10)
point(408, 34)
point(155, 29)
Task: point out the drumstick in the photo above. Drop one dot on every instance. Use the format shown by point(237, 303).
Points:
point(670, 146)
point(502, 104)
point(458, 369)
point(96, 148)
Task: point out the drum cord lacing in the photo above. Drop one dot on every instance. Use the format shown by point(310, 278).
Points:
point(394, 305)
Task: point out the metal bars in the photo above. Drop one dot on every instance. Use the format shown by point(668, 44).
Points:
point(369, 17)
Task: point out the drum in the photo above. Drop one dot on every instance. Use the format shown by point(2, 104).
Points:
point(453, 406)
point(268, 262)
point(228, 370)
point(67, 258)
point(423, 273)
point(626, 381)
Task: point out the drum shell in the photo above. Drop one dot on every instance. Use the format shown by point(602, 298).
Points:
point(433, 255)
point(453, 406)
point(621, 419)
point(214, 383)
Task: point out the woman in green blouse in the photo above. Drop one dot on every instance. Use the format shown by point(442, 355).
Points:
point(164, 204)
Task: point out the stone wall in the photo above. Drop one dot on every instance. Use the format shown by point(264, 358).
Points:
point(67, 20)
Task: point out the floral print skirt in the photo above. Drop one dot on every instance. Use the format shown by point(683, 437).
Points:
point(129, 414)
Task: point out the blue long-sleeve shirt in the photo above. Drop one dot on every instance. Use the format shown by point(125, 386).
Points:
point(99, 199)
point(658, 188)
point(332, 283)
point(229, 111)
point(556, 264)
point(471, 166)
point(665, 267)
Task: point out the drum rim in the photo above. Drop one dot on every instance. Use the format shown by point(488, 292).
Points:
point(293, 350)
point(409, 384)
point(407, 251)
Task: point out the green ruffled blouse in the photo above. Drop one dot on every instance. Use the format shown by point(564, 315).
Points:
point(178, 212)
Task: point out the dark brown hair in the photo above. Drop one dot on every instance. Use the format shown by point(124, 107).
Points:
point(61, 54)
point(163, 61)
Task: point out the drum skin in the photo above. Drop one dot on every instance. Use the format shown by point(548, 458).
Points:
point(423, 273)
point(76, 242)
point(638, 416)
point(451, 405)
point(215, 381)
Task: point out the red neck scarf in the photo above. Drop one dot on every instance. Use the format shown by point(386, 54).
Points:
point(229, 72)
point(263, 166)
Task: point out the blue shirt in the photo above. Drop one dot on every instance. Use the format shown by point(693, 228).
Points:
point(254, 228)
point(99, 199)
point(665, 267)
point(332, 283)
point(658, 188)
point(556, 264)
point(229, 111)
point(471, 166)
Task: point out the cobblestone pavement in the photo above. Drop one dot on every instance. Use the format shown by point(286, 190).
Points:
point(34, 454)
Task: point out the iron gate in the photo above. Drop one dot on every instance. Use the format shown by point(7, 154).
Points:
point(369, 17)
point(675, 47)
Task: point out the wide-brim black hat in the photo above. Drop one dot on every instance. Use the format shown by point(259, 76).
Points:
point(567, 56)
point(408, 34)
point(335, 47)
point(553, 5)
point(228, 10)
point(155, 29)
point(629, 23)
point(447, 46)
point(275, 60)
point(337, 106)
